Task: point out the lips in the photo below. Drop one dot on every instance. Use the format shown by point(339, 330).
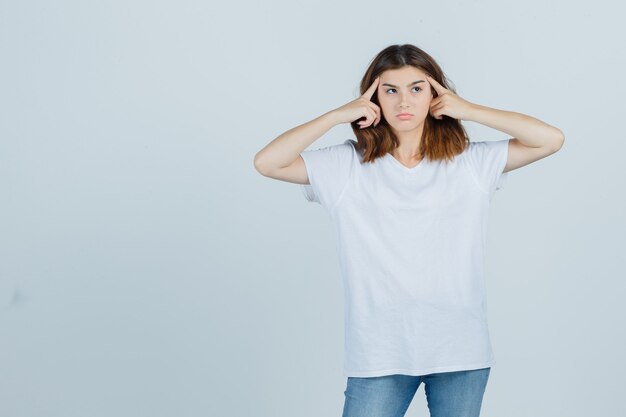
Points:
point(404, 116)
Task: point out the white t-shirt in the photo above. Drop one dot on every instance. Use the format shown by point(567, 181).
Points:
point(411, 244)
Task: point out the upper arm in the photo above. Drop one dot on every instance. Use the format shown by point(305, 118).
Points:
point(520, 155)
point(323, 173)
point(295, 172)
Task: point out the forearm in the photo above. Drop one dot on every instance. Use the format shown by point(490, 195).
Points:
point(283, 150)
point(530, 131)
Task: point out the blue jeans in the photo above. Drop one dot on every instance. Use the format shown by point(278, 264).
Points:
point(449, 394)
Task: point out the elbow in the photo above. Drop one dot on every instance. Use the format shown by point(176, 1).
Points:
point(559, 141)
point(259, 165)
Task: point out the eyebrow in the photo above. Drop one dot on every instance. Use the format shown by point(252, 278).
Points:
point(413, 83)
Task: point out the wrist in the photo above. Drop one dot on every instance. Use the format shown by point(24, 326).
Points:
point(332, 117)
point(472, 109)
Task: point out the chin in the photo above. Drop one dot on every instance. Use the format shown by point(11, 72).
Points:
point(407, 127)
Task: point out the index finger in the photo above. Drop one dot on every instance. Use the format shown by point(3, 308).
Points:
point(435, 84)
point(370, 91)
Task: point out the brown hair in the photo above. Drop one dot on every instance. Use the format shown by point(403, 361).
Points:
point(441, 139)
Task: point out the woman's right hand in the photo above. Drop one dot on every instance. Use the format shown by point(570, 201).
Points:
point(361, 107)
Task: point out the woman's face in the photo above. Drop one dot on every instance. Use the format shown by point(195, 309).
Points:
point(404, 90)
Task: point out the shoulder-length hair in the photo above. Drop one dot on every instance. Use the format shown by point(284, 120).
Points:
point(441, 139)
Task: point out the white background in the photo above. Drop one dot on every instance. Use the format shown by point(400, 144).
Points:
point(147, 269)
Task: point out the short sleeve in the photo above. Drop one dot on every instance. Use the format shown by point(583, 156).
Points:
point(487, 160)
point(329, 171)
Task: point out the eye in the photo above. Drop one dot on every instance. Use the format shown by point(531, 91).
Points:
point(389, 89)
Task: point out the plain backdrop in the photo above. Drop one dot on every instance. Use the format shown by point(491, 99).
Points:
point(147, 269)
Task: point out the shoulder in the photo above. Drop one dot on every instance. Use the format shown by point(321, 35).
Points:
point(486, 148)
point(348, 146)
point(331, 153)
point(479, 145)
point(484, 145)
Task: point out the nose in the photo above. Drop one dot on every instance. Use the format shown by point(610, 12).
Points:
point(404, 103)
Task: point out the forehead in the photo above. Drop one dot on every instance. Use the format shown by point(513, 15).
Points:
point(403, 74)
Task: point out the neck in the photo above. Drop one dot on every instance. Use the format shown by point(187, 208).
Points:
point(409, 144)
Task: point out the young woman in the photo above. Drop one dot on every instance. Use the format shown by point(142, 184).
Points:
point(410, 201)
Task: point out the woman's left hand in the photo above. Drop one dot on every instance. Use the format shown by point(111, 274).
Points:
point(447, 102)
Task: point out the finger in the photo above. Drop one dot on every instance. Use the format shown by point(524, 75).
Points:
point(363, 122)
point(370, 91)
point(436, 106)
point(434, 84)
point(436, 115)
point(369, 117)
point(435, 111)
point(376, 111)
point(374, 116)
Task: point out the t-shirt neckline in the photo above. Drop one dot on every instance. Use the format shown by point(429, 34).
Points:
point(401, 165)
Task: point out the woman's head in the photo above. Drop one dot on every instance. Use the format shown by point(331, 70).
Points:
point(403, 88)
